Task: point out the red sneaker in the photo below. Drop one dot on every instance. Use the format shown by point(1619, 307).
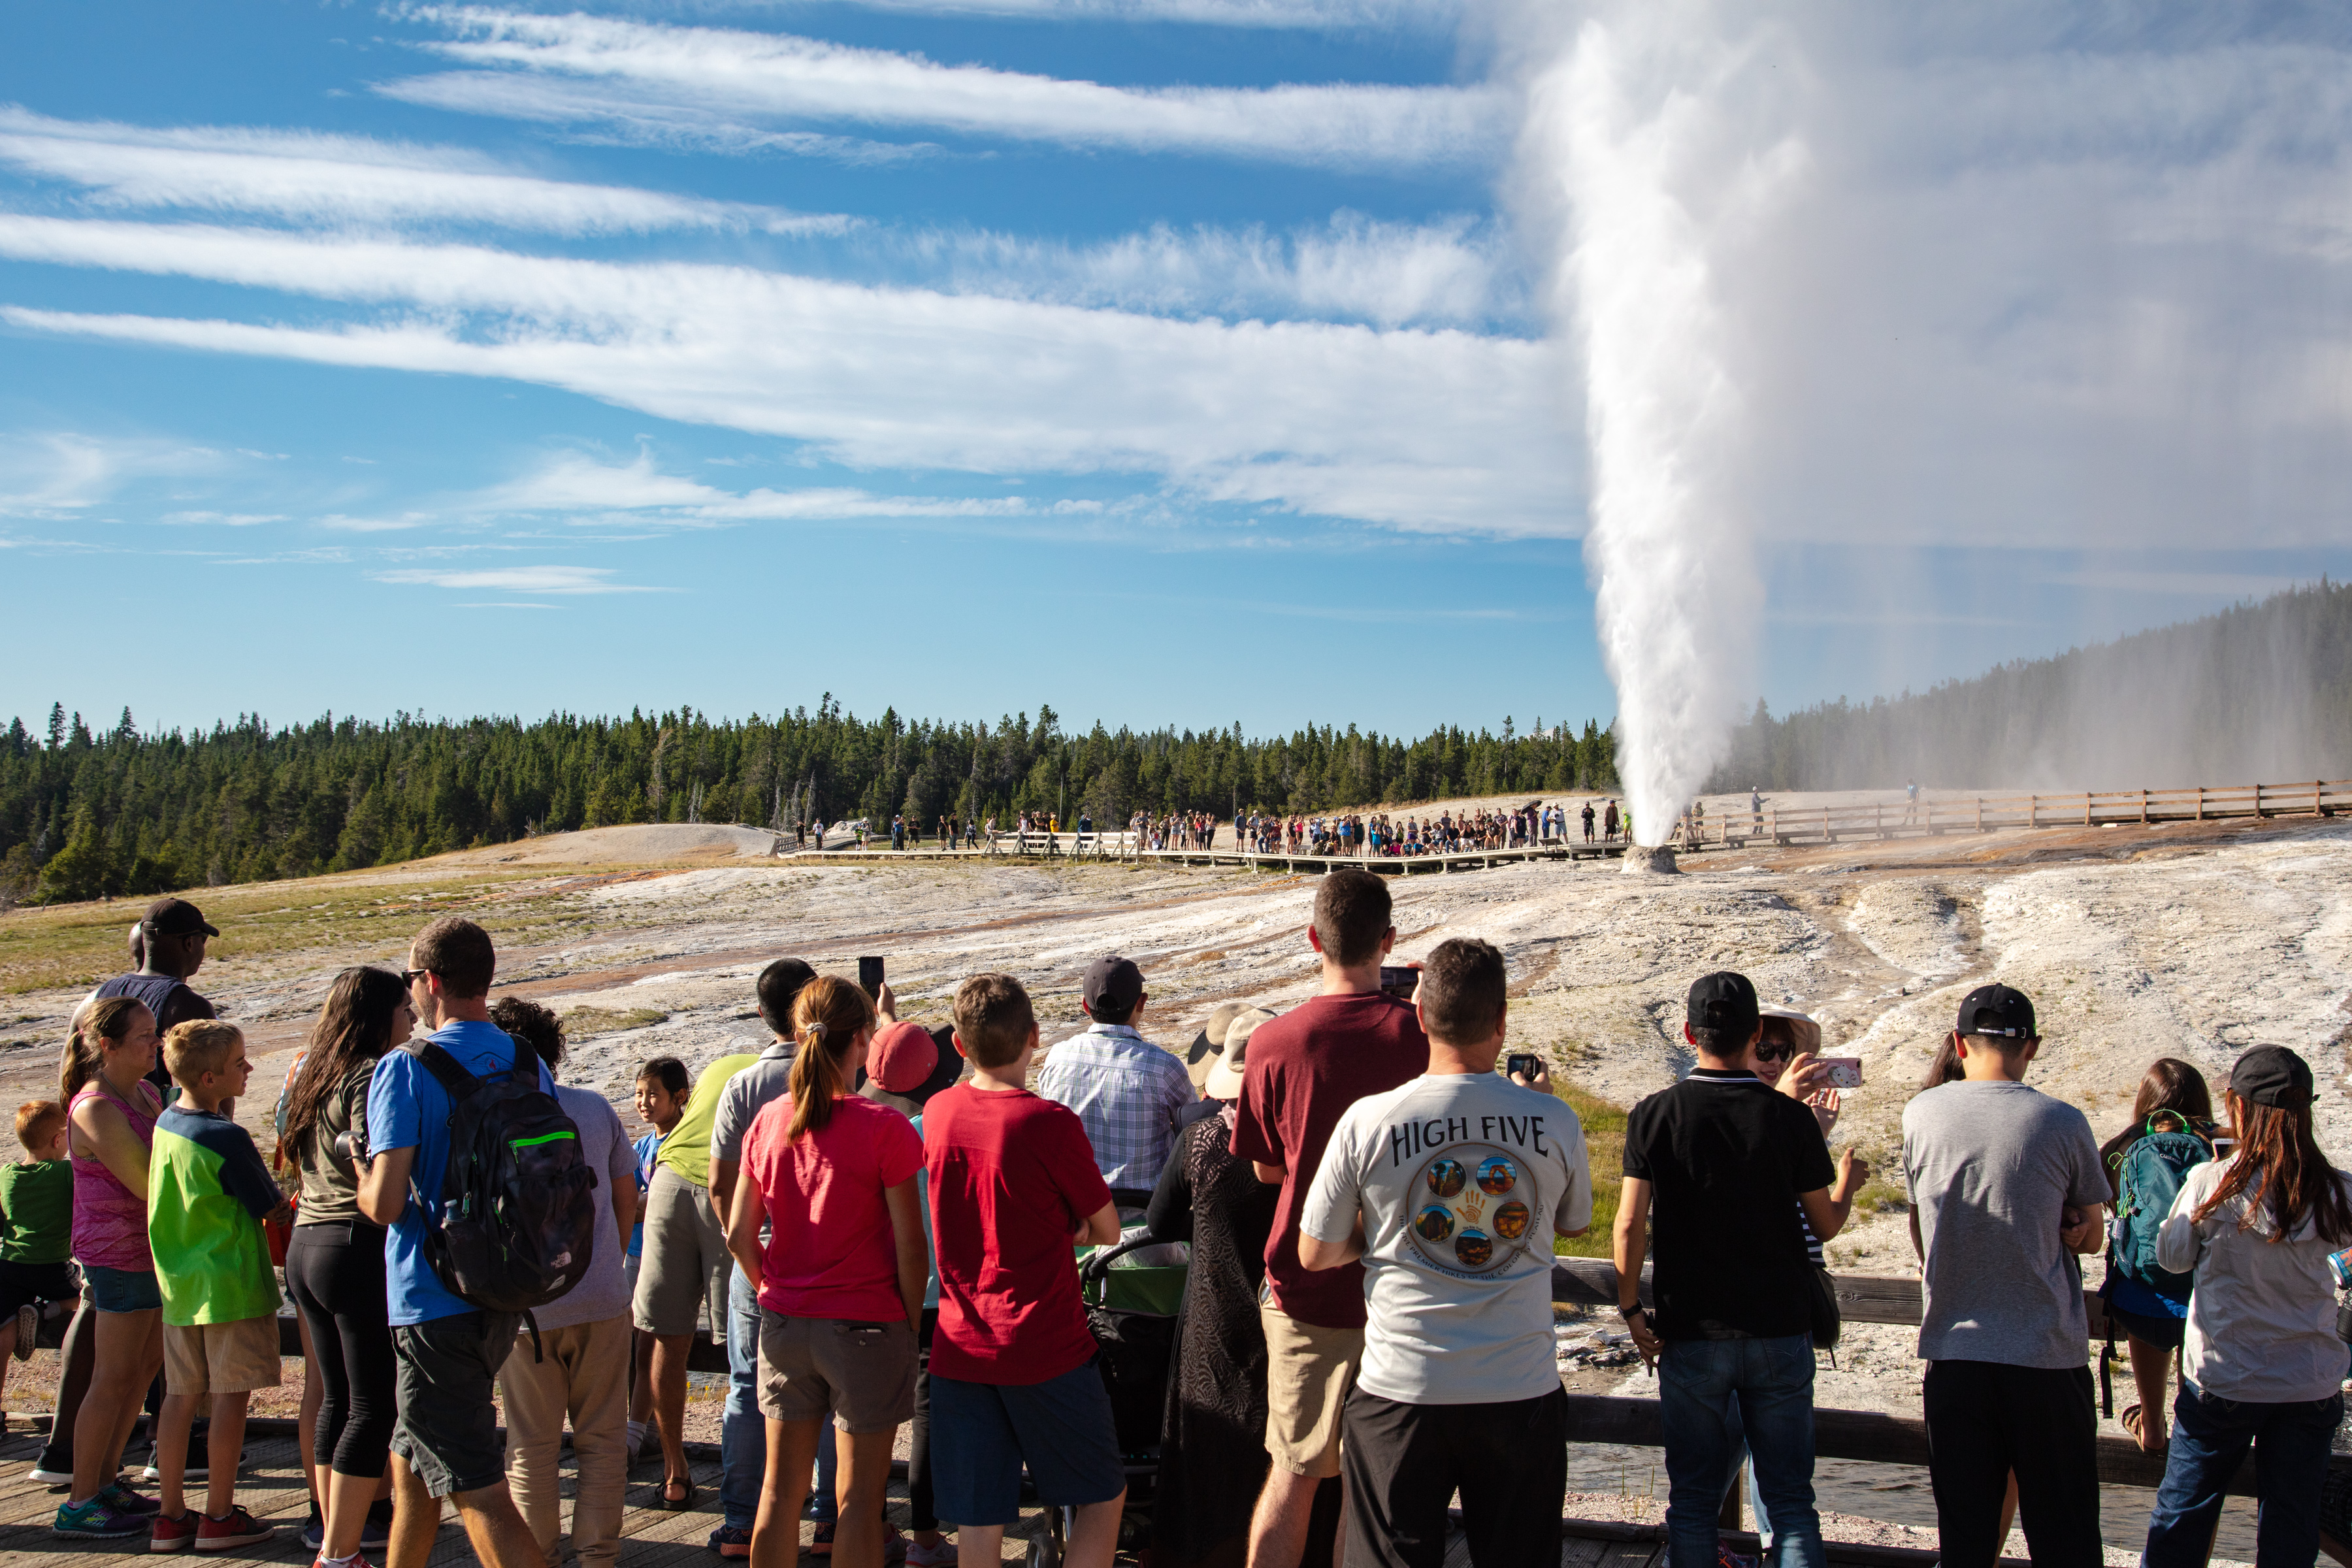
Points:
point(240, 1529)
point(170, 1534)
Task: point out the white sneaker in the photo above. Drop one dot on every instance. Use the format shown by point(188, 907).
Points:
point(50, 1478)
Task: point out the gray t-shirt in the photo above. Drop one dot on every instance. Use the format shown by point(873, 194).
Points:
point(740, 1102)
point(604, 1291)
point(1462, 1178)
point(1991, 1167)
point(769, 1078)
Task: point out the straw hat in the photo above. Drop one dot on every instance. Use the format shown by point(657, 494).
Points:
point(1224, 1080)
point(1202, 1055)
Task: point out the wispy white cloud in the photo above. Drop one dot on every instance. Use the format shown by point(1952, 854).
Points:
point(1390, 274)
point(223, 519)
point(314, 178)
point(574, 483)
point(565, 580)
point(63, 473)
point(731, 83)
point(1418, 15)
point(1439, 430)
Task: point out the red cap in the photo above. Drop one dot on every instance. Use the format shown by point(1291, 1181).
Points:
point(901, 1057)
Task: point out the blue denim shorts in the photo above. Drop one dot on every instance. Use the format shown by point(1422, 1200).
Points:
point(122, 1290)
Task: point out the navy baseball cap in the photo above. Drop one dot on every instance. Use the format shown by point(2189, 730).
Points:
point(1997, 1011)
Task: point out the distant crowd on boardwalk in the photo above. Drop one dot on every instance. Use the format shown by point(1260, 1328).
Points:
point(1333, 834)
point(888, 1222)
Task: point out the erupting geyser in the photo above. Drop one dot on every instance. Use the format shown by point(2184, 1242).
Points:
point(1660, 143)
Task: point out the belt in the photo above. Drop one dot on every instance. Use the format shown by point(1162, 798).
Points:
point(339, 1231)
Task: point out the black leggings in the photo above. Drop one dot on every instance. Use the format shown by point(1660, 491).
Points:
point(336, 1273)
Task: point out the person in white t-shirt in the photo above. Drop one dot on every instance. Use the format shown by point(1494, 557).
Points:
point(1450, 1189)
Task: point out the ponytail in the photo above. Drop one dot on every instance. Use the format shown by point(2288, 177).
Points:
point(827, 1017)
point(103, 1024)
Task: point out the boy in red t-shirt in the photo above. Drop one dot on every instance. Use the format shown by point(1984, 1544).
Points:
point(1013, 1188)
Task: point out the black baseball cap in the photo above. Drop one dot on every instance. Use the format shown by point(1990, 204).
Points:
point(175, 917)
point(1724, 1000)
point(1998, 1012)
point(2273, 1075)
point(1113, 978)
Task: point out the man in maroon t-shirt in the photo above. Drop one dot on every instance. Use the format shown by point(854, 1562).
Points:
point(1304, 1068)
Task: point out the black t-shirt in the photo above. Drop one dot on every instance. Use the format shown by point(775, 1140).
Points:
point(169, 999)
point(1725, 1155)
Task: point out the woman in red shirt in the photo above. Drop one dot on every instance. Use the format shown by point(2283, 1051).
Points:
point(830, 1175)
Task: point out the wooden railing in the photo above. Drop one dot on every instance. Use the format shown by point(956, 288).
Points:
point(1837, 1434)
point(1737, 827)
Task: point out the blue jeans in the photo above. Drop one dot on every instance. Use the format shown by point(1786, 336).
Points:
point(2210, 1438)
point(743, 1431)
point(1715, 1397)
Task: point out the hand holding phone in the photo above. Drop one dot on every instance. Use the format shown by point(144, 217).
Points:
point(1846, 1072)
point(1401, 980)
point(1525, 1067)
point(869, 976)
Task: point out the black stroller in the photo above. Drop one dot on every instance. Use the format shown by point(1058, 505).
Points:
point(1133, 1312)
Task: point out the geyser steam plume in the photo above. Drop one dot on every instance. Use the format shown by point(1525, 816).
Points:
point(1660, 145)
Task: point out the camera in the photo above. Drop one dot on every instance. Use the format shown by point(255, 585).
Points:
point(1522, 1064)
point(1399, 980)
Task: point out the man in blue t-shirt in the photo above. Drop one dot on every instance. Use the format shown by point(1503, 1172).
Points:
point(446, 1442)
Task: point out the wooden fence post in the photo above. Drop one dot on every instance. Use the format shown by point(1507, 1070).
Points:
point(2033, 811)
point(2200, 803)
point(2086, 808)
point(2143, 809)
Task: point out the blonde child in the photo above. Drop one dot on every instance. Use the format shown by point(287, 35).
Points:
point(35, 1227)
point(208, 1192)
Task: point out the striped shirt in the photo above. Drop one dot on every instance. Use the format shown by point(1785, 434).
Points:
point(1125, 1092)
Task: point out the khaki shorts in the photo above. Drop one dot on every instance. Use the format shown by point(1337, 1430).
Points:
point(685, 1252)
point(221, 1358)
point(863, 1373)
point(1308, 1371)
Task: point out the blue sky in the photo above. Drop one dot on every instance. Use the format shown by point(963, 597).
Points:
point(1180, 361)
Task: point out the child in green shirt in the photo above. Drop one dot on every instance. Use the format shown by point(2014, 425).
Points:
point(36, 1228)
point(207, 1195)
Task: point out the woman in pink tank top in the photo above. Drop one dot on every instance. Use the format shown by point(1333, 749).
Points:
point(112, 1120)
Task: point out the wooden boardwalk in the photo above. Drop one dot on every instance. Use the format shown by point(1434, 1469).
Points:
point(1070, 851)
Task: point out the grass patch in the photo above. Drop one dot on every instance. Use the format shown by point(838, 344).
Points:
point(1604, 1145)
point(1881, 1197)
point(583, 1023)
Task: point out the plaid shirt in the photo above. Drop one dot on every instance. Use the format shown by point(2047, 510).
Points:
point(1125, 1092)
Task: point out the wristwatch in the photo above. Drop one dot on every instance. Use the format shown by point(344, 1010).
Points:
point(1631, 1313)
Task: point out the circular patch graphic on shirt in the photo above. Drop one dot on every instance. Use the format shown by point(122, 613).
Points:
point(1476, 1208)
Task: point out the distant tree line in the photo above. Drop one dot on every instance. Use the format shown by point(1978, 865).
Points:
point(84, 813)
point(2260, 693)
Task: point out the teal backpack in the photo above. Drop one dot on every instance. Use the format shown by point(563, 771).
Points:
point(2148, 1179)
point(2148, 1175)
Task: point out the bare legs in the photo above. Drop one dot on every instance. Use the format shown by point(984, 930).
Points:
point(670, 1406)
point(224, 1447)
point(498, 1536)
point(129, 1353)
point(1286, 1511)
point(792, 1451)
point(1093, 1536)
point(2151, 1368)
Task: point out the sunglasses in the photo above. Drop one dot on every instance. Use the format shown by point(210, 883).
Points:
point(411, 974)
point(1773, 1052)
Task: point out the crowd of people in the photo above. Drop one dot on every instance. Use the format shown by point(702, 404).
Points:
point(1381, 833)
point(880, 1220)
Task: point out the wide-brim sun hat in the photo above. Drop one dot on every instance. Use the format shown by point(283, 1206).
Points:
point(1225, 1079)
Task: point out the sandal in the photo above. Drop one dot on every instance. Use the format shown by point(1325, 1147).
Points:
point(2135, 1421)
point(677, 1505)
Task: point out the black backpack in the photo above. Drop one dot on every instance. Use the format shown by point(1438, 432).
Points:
point(518, 1219)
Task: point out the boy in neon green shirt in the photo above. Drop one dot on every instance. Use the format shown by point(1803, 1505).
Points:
point(207, 1195)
